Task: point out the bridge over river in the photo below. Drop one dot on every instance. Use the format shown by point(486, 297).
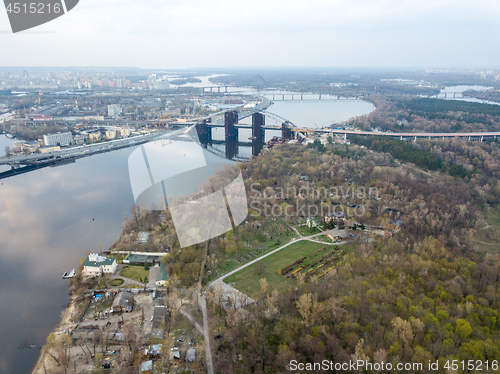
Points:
point(227, 119)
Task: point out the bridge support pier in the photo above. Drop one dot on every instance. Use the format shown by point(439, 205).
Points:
point(231, 132)
point(258, 133)
point(204, 132)
point(286, 131)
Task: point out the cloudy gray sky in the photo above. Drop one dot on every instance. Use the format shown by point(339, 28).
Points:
point(222, 33)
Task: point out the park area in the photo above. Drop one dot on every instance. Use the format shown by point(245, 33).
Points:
point(272, 267)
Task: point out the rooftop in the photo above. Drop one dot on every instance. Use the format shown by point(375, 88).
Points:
point(162, 275)
point(95, 260)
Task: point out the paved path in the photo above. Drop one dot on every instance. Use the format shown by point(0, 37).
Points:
point(139, 253)
point(203, 304)
point(188, 315)
point(153, 272)
point(202, 330)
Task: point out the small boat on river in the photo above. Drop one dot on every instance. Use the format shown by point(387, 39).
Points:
point(70, 275)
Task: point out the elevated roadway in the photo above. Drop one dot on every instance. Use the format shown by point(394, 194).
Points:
point(400, 135)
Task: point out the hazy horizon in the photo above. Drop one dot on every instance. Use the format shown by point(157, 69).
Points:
point(211, 34)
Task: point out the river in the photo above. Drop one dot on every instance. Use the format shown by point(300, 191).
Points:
point(51, 217)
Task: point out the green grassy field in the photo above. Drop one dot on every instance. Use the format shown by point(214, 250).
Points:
point(226, 266)
point(134, 272)
point(488, 239)
point(247, 280)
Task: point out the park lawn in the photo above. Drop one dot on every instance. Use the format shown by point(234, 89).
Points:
point(136, 273)
point(247, 280)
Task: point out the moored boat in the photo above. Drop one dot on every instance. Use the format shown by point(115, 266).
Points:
point(70, 275)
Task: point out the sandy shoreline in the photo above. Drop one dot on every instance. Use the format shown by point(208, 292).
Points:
point(64, 325)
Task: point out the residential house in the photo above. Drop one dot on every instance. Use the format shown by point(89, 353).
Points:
point(161, 277)
point(95, 265)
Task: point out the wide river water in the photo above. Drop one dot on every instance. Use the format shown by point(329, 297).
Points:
point(51, 217)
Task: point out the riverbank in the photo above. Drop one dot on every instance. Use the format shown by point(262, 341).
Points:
point(45, 363)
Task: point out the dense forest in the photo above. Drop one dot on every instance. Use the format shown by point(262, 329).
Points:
point(442, 106)
point(401, 150)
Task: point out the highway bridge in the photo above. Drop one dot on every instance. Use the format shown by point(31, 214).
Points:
point(414, 135)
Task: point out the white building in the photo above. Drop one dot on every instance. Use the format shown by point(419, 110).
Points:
point(114, 110)
point(61, 138)
point(96, 264)
point(161, 84)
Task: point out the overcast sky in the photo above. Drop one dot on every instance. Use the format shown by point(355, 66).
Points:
point(236, 33)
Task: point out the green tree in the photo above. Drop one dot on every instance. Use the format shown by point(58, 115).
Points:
point(145, 281)
point(463, 329)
